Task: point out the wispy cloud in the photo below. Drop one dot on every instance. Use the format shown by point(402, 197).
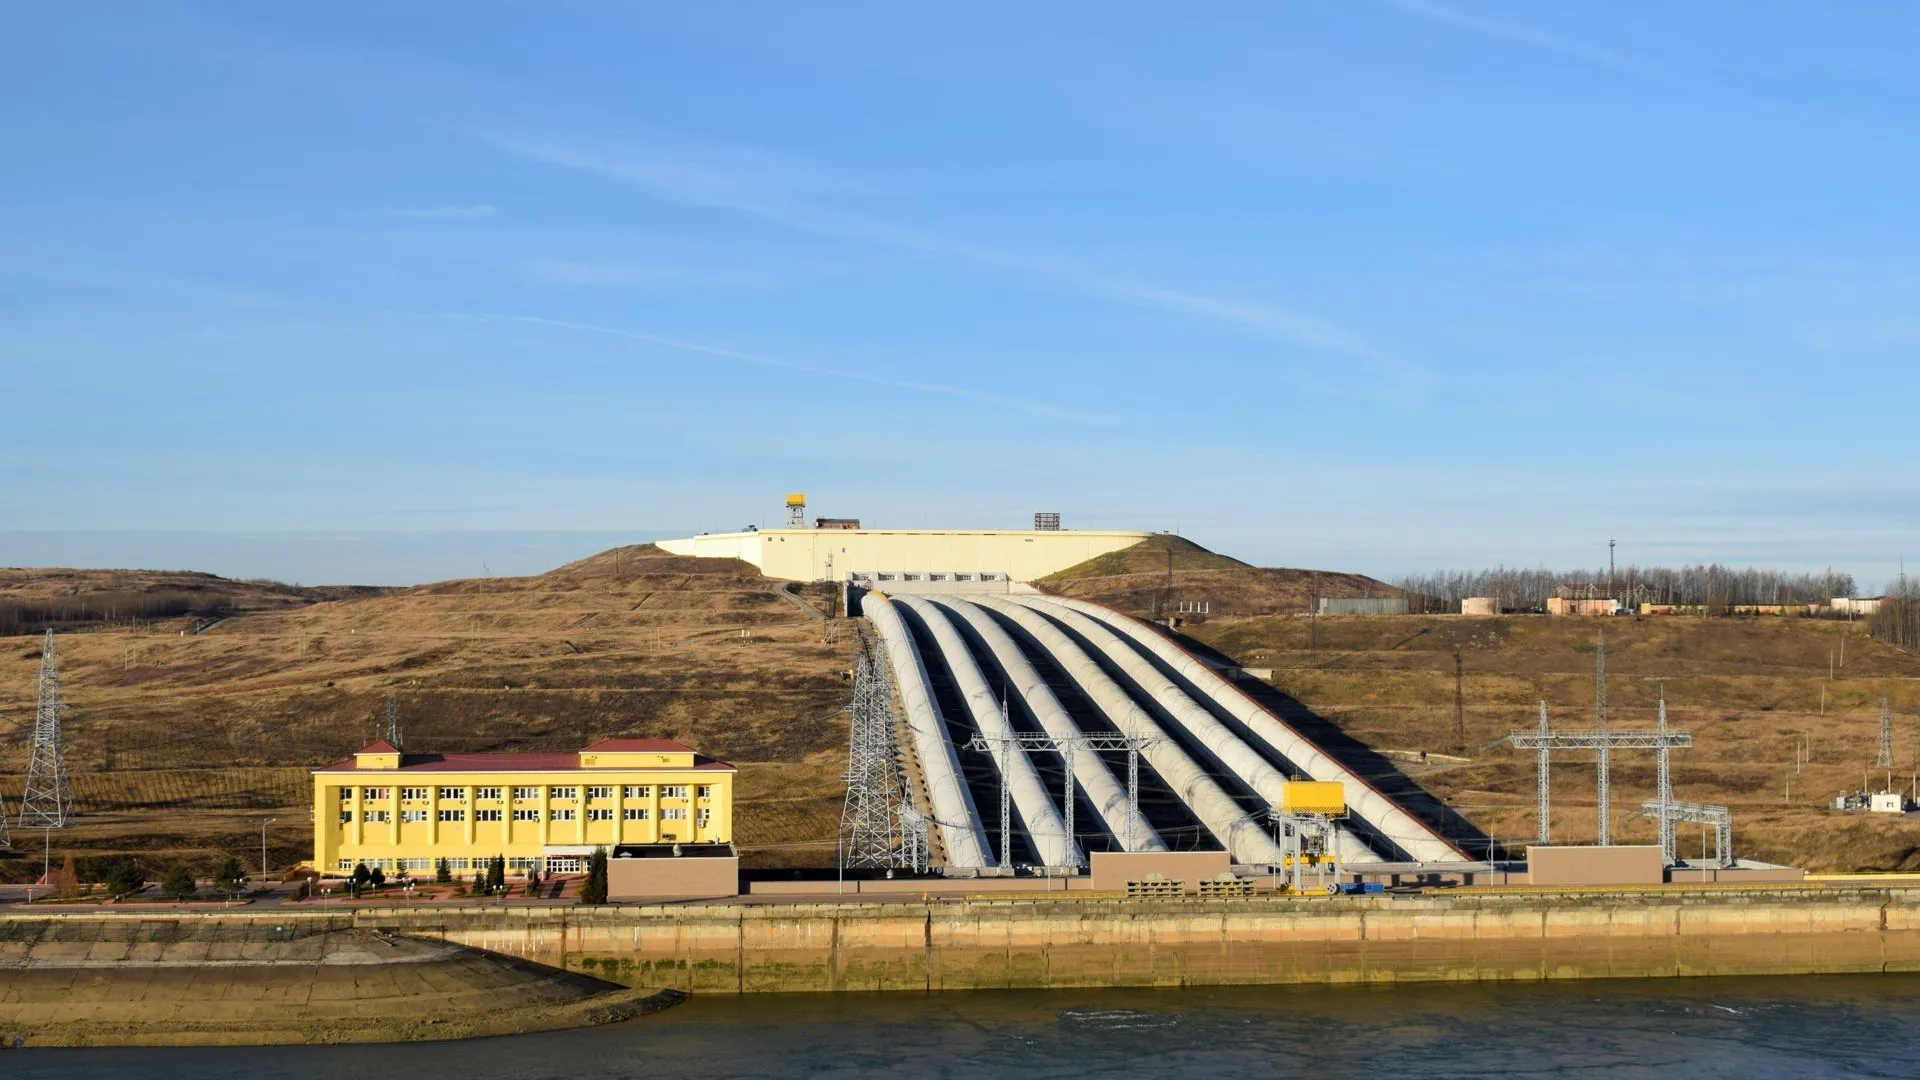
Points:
point(1039, 408)
point(797, 196)
point(642, 275)
point(1522, 35)
point(476, 212)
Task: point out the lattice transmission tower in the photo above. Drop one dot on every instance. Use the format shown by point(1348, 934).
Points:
point(878, 827)
point(1885, 760)
point(1604, 786)
point(47, 804)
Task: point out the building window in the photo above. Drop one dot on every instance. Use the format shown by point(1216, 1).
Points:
point(673, 791)
point(701, 818)
point(673, 813)
point(641, 792)
point(409, 817)
point(376, 793)
point(561, 815)
point(705, 791)
point(453, 815)
point(635, 813)
point(486, 793)
point(457, 864)
point(526, 815)
point(564, 864)
point(455, 793)
point(346, 794)
point(599, 815)
point(377, 817)
point(563, 793)
point(414, 864)
point(346, 864)
point(413, 794)
point(346, 817)
point(600, 793)
point(524, 794)
point(486, 815)
point(522, 863)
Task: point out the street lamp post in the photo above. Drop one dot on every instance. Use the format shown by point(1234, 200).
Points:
point(263, 847)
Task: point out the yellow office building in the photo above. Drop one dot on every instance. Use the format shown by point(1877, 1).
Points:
point(546, 812)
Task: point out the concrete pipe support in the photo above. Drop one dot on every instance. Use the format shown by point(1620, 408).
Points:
point(953, 809)
point(1037, 812)
point(1247, 764)
point(1415, 838)
point(1246, 839)
point(1108, 796)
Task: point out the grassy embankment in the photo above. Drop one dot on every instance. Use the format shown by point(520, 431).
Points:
point(181, 743)
point(1750, 689)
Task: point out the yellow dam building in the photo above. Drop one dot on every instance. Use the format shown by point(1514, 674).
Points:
point(547, 812)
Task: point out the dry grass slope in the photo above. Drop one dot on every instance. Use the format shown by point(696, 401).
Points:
point(1136, 580)
point(181, 743)
point(1751, 690)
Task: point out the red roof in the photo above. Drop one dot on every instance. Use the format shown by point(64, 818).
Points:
point(378, 746)
point(513, 762)
point(638, 746)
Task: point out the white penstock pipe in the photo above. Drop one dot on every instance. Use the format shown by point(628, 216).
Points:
point(953, 808)
point(1242, 836)
point(1042, 819)
point(1108, 797)
point(1413, 836)
point(1227, 747)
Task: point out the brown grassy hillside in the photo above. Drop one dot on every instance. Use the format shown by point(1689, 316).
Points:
point(181, 743)
point(1136, 580)
point(1749, 689)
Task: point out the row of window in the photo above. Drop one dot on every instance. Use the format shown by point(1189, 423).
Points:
point(526, 794)
point(519, 864)
point(455, 817)
point(935, 576)
point(553, 864)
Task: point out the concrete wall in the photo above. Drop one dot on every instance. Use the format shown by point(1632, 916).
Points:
point(692, 878)
point(1062, 942)
point(1111, 870)
point(1619, 864)
point(831, 554)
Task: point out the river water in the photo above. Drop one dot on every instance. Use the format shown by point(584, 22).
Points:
point(1755, 1029)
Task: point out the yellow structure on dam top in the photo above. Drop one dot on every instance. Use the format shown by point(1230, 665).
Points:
point(835, 554)
point(547, 812)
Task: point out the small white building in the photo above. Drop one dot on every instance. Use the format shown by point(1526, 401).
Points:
point(1887, 802)
point(1855, 605)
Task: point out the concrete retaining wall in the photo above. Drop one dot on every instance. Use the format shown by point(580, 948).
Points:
point(1062, 942)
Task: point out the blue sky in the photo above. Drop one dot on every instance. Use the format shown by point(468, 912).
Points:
point(319, 291)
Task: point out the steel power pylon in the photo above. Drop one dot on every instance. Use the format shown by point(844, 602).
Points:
point(879, 829)
point(1544, 739)
point(1885, 760)
point(1604, 784)
point(47, 803)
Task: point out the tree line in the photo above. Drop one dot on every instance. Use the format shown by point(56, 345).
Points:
point(1897, 621)
point(1709, 585)
point(33, 616)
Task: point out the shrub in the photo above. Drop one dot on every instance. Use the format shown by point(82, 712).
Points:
point(178, 884)
point(231, 877)
point(123, 876)
point(442, 873)
point(594, 889)
point(377, 877)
